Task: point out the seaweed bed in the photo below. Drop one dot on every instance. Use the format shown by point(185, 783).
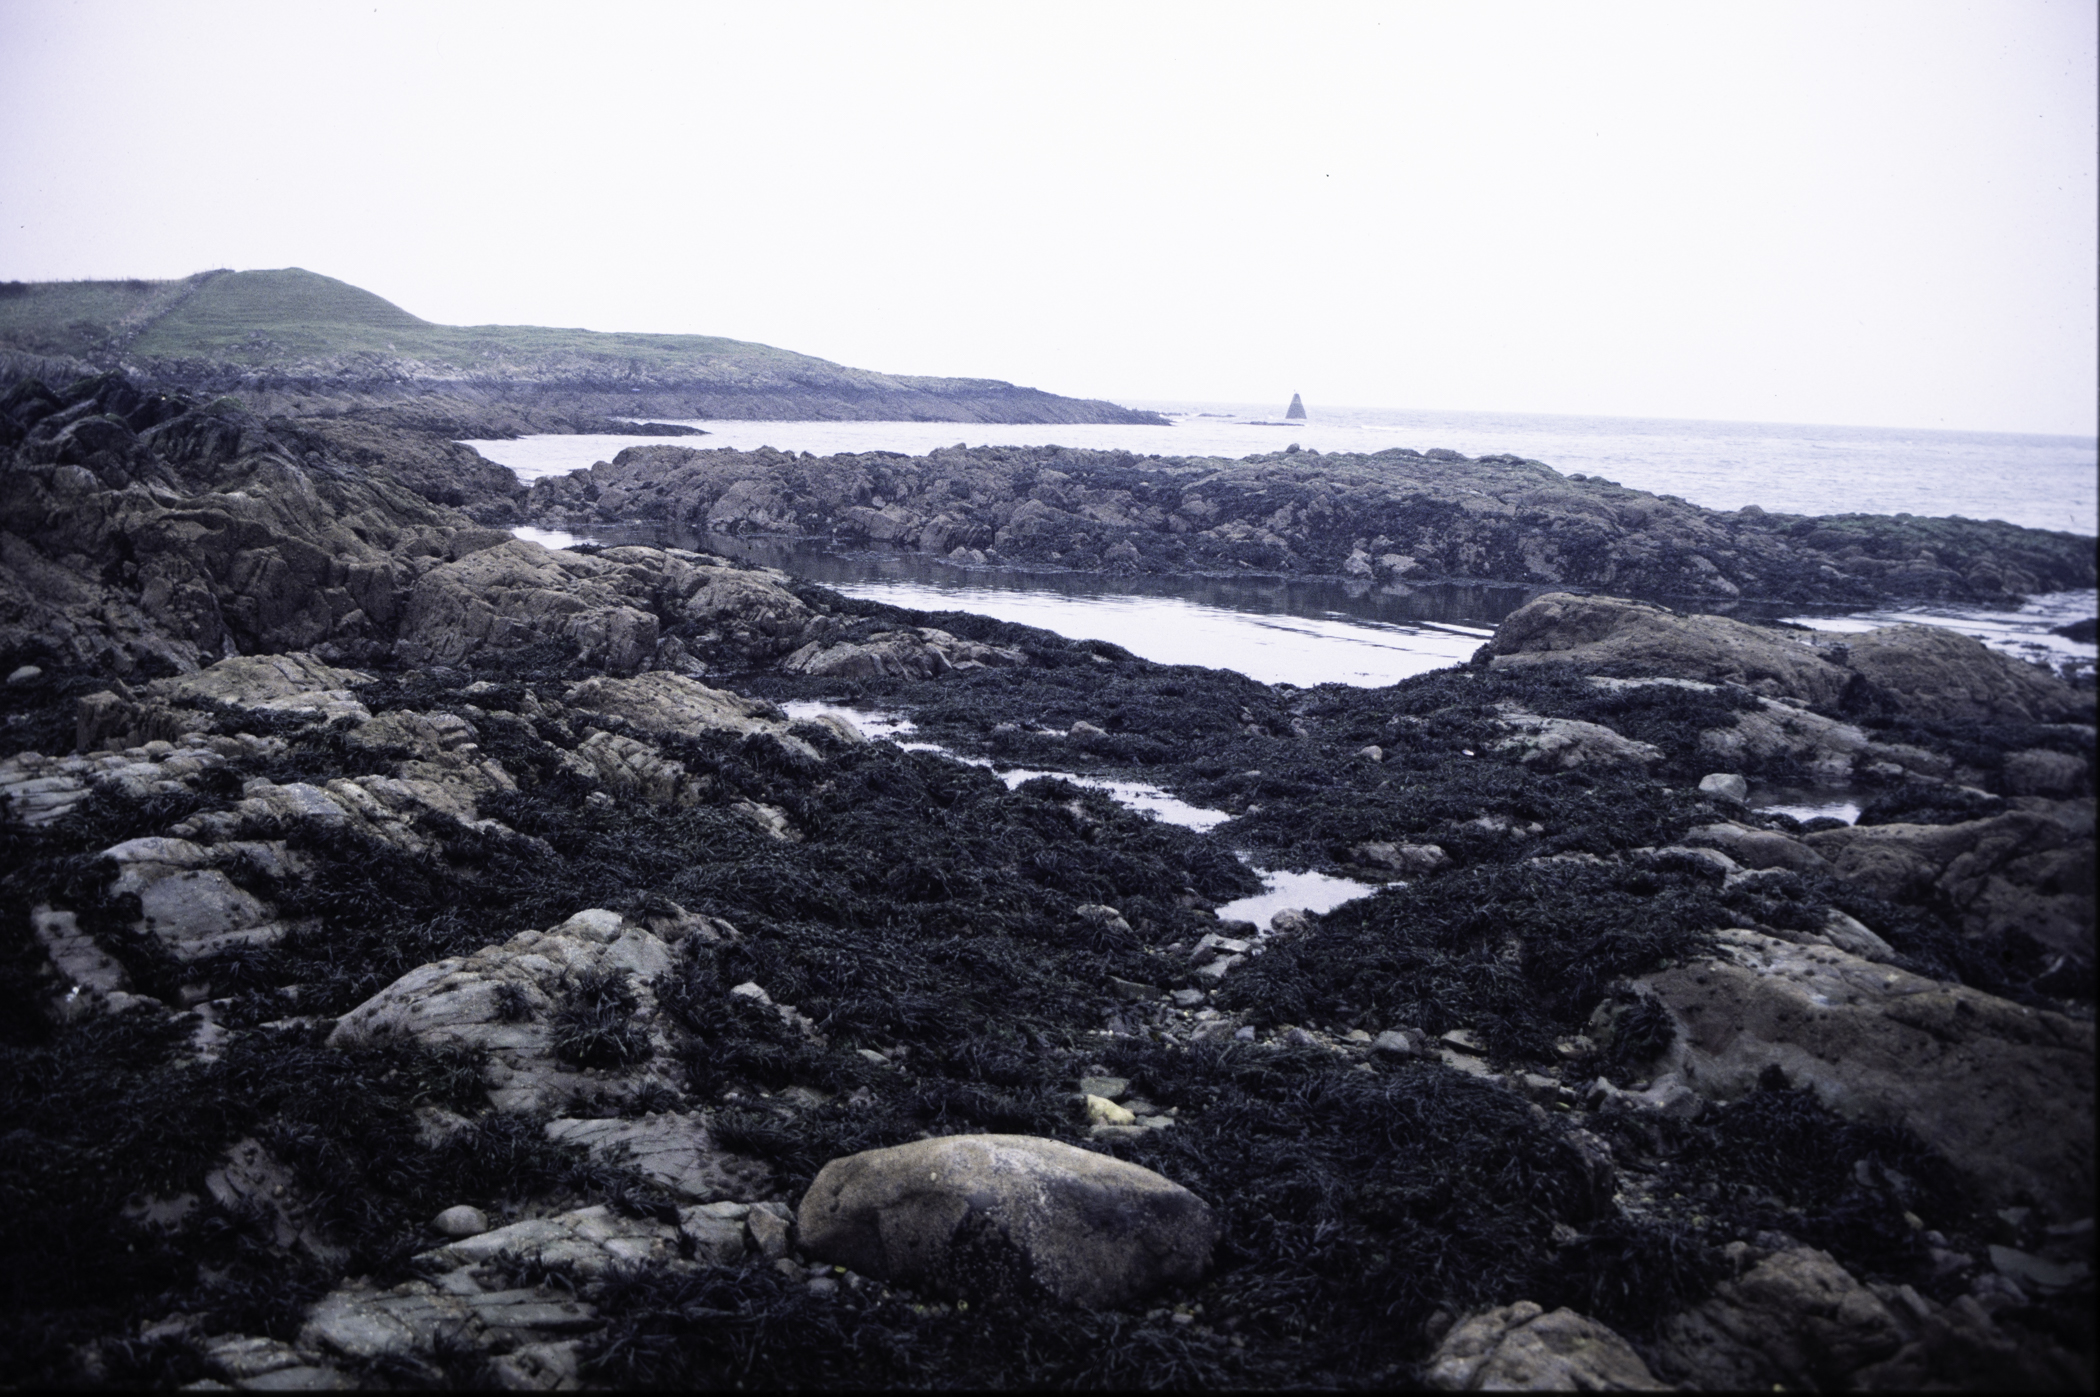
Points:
point(930, 913)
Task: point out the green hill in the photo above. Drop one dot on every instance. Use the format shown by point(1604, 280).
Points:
point(291, 331)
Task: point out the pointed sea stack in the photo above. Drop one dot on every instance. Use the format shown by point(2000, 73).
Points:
point(1296, 411)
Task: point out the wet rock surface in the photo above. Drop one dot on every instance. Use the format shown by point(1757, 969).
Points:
point(372, 1017)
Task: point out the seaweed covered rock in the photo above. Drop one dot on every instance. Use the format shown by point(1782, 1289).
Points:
point(559, 1013)
point(2003, 1091)
point(1524, 1348)
point(1087, 1228)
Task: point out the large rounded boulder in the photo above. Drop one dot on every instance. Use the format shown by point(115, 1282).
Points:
point(1088, 1228)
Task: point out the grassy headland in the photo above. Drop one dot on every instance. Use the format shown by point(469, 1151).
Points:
point(292, 340)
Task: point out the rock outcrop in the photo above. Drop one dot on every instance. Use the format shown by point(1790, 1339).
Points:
point(2029, 870)
point(2002, 1091)
point(1393, 519)
point(1926, 671)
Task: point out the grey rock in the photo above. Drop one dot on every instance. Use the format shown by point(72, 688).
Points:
point(673, 1149)
point(1854, 937)
point(1411, 859)
point(2028, 869)
point(257, 1364)
point(1524, 1348)
point(593, 1240)
point(2003, 1091)
point(1092, 1230)
point(461, 1220)
point(1102, 915)
point(251, 1182)
point(1725, 785)
point(716, 1240)
point(87, 970)
point(1609, 635)
point(1566, 744)
point(1796, 1318)
point(1109, 1088)
point(1292, 921)
point(1758, 848)
point(2041, 772)
point(771, 1233)
point(1943, 675)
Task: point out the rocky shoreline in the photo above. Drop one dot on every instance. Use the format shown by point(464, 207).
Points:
point(1397, 519)
point(432, 960)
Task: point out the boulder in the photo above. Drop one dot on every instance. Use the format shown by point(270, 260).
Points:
point(1090, 1229)
point(1785, 734)
point(632, 767)
point(1795, 1319)
point(186, 902)
point(516, 593)
point(1613, 636)
point(1524, 1348)
point(2003, 1091)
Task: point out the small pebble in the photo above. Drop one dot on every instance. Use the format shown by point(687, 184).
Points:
point(27, 674)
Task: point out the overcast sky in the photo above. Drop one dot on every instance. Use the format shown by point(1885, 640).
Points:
point(1836, 211)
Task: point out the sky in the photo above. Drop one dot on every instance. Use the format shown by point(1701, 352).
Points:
point(1844, 211)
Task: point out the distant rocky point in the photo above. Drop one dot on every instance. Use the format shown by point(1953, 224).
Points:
point(295, 343)
point(1296, 411)
point(1394, 519)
